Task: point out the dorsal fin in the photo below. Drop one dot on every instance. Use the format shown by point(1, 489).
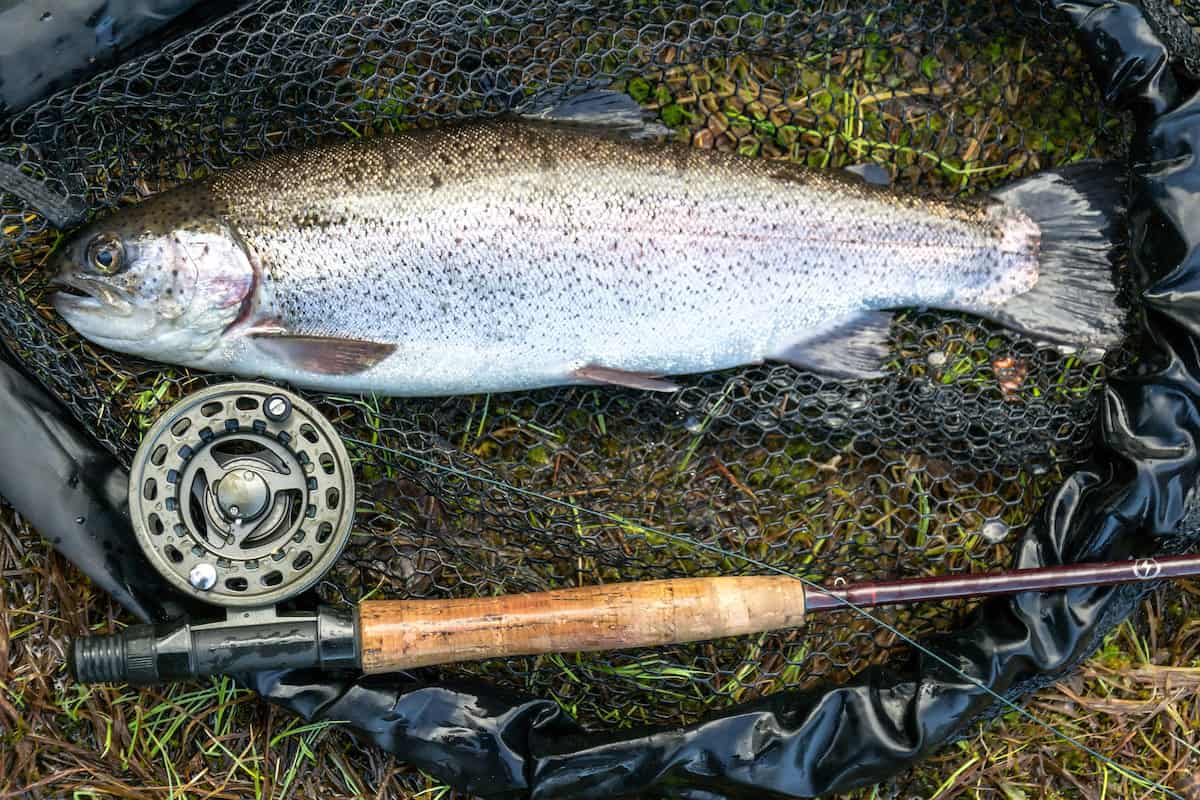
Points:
point(602, 110)
point(872, 173)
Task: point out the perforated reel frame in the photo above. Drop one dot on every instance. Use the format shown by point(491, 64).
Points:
point(242, 495)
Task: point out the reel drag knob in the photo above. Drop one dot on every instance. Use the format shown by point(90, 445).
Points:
point(243, 494)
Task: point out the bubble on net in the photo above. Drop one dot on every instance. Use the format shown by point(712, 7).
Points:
point(907, 475)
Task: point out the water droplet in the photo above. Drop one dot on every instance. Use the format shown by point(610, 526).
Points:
point(1039, 469)
point(995, 531)
point(47, 16)
point(835, 421)
point(80, 520)
point(936, 358)
point(856, 401)
point(693, 424)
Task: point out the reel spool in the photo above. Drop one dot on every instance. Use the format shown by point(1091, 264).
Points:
point(242, 495)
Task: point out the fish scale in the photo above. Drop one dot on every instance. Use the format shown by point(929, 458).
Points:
point(515, 254)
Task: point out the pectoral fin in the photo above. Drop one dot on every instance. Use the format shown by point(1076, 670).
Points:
point(323, 355)
point(620, 377)
point(266, 326)
point(854, 347)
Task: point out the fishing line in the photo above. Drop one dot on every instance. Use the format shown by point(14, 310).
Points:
point(808, 583)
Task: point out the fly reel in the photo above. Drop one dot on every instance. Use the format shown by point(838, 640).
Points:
point(242, 495)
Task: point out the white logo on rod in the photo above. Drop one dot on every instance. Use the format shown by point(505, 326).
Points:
point(1146, 569)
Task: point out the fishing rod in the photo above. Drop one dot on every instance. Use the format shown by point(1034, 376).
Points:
point(390, 635)
point(242, 496)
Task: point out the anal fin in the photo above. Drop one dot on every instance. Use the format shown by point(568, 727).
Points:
point(620, 377)
point(854, 347)
point(323, 355)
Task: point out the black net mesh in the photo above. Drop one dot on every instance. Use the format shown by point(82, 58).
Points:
point(933, 469)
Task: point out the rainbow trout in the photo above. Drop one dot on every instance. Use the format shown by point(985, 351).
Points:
point(529, 252)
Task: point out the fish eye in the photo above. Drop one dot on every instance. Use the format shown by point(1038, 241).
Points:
point(106, 254)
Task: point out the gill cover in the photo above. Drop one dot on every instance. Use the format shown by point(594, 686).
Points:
point(162, 280)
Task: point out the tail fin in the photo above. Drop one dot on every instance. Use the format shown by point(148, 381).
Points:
point(1079, 210)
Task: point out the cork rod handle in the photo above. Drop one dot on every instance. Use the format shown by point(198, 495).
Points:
point(402, 634)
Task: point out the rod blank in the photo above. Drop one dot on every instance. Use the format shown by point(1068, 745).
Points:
point(1038, 579)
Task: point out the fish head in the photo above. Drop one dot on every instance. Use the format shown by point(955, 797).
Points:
point(163, 279)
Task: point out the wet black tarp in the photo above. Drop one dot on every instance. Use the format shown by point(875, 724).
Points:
point(52, 44)
point(1133, 498)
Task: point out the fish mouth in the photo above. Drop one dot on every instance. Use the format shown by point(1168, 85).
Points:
point(83, 295)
